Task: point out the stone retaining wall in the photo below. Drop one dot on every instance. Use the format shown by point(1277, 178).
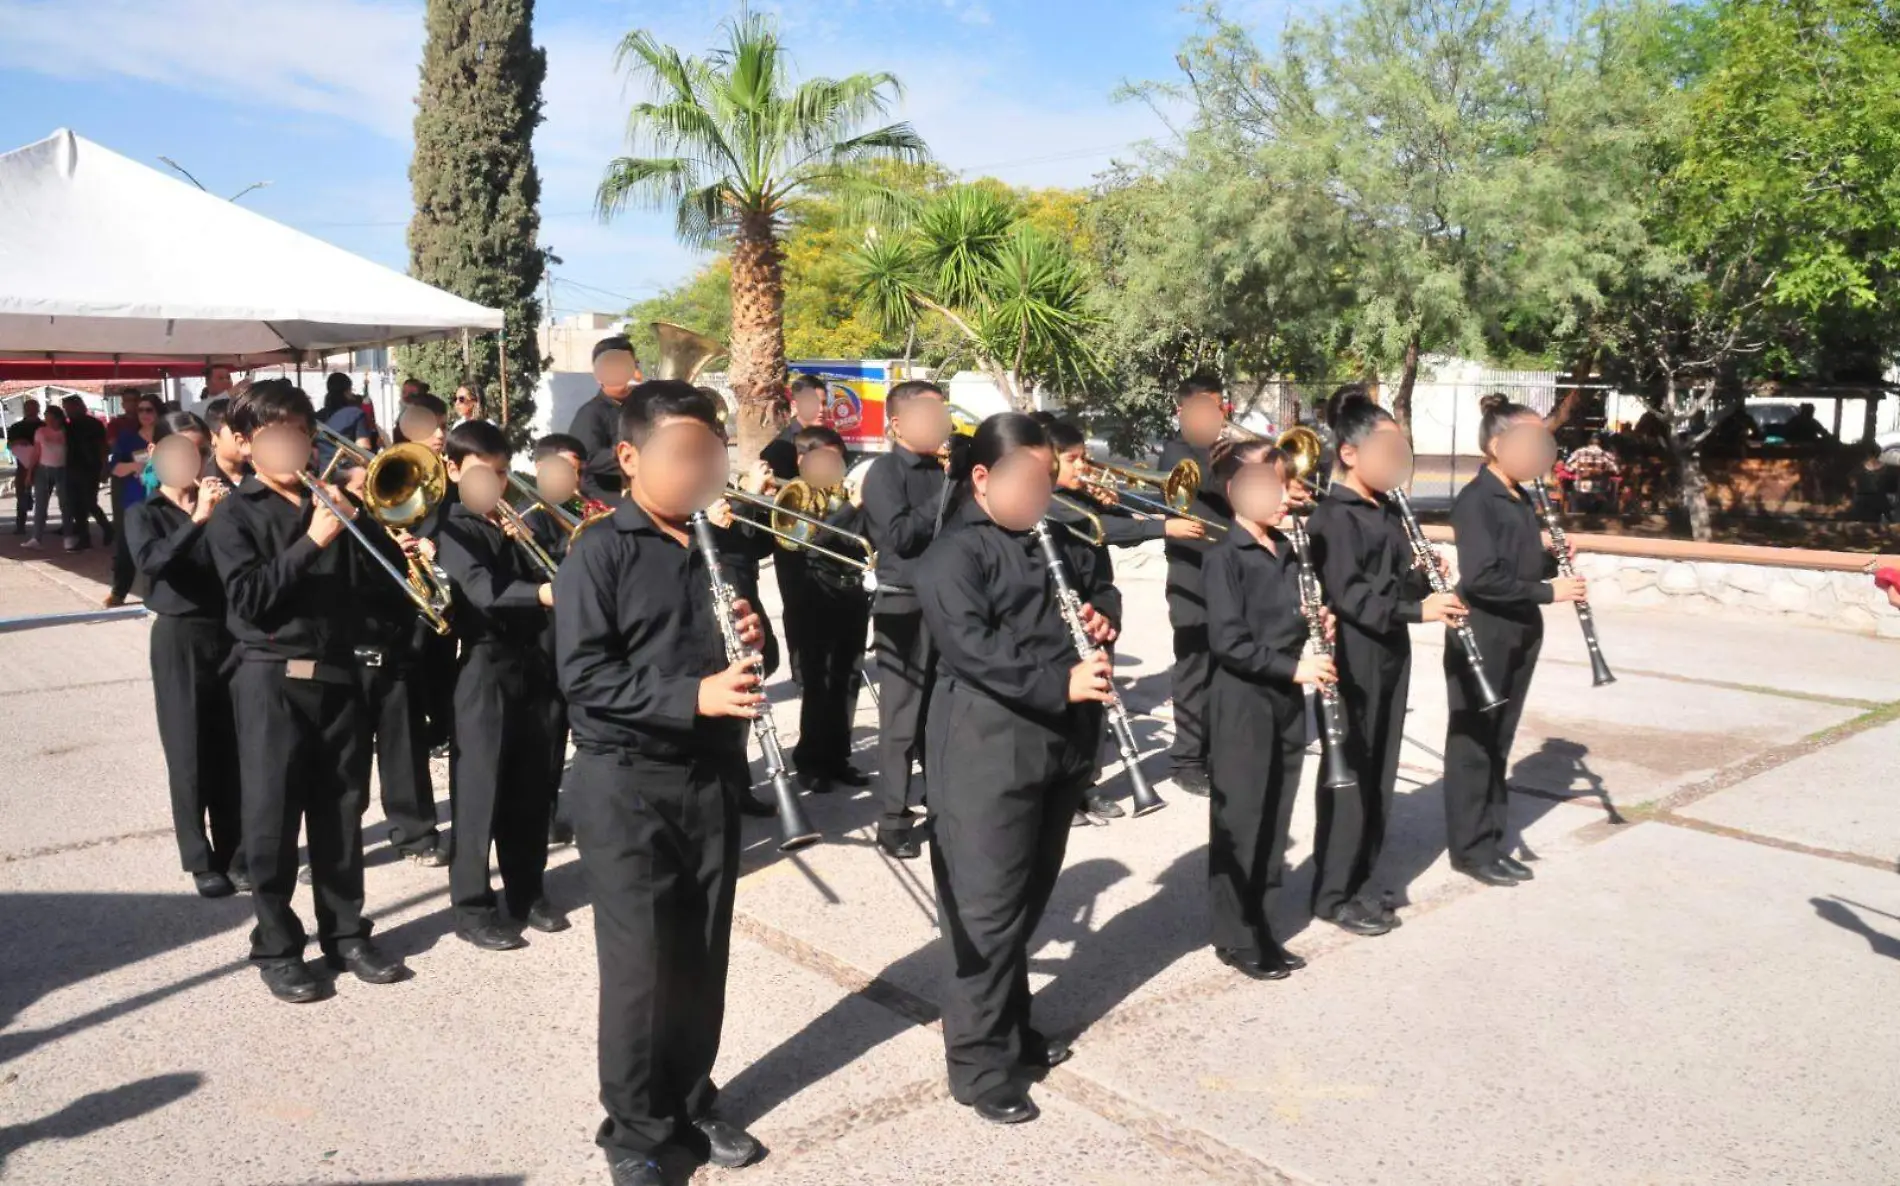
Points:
point(1843, 600)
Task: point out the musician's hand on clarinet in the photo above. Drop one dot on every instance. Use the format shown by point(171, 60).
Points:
point(1568, 589)
point(1315, 670)
point(1329, 622)
point(1184, 529)
point(1443, 607)
point(325, 526)
point(733, 692)
point(751, 629)
point(1100, 630)
point(545, 594)
point(1089, 681)
point(210, 491)
point(719, 514)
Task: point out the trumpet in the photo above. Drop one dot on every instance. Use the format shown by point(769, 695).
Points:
point(403, 483)
point(792, 517)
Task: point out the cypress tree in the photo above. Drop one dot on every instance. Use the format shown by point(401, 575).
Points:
point(477, 193)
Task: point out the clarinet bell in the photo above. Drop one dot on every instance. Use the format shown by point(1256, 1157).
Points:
point(794, 830)
point(1488, 698)
point(1146, 801)
point(1600, 672)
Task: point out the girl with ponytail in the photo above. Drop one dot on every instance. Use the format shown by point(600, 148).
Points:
point(1366, 568)
point(1506, 577)
point(1010, 741)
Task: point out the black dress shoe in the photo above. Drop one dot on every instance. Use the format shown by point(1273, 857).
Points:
point(1102, 807)
point(1274, 953)
point(900, 845)
point(431, 857)
point(1516, 868)
point(1192, 780)
point(213, 885)
point(1356, 918)
point(490, 936)
point(291, 983)
point(1045, 1053)
point(367, 963)
point(636, 1171)
point(1492, 874)
point(850, 776)
point(754, 806)
point(560, 832)
point(1008, 1104)
point(240, 880)
point(727, 1145)
point(546, 917)
point(816, 783)
point(1250, 964)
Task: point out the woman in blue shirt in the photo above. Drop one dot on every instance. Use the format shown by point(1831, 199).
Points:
point(129, 453)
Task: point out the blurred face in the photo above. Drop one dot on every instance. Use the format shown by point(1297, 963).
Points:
point(680, 469)
point(178, 459)
point(1383, 460)
point(467, 407)
point(822, 467)
point(1201, 417)
point(423, 427)
point(615, 371)
point(1525, 450)
point(1257, 492)
point(808, 406)
point(280, 451)
point(923, 423)
point(478, 478)
point(1069, 467)
point(1015, 491)
point(557, 477)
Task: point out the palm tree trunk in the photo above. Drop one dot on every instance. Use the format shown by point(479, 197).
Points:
point(758, 333)
point(1408, 379)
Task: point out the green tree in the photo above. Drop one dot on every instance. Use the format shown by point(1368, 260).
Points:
point(476, 193)
point(730, 143)
point(1015, 295)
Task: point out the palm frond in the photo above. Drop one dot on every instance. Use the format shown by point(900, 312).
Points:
point(703, 216)
point(660, 66)
point(887, 281)
point(960, 236)
point(823, 110)
point(650, 182)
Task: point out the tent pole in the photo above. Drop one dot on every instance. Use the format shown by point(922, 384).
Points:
point(501, 341)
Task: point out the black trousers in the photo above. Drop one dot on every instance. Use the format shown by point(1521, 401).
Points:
point(1189, 678)
point(502, 795)
point(825, 637)
point(1258, 747)
point(435, 684)
point(793, 586)
point(1375, 683)
point(82, 500)
point(659, 845)
point(1478, 744)
point(393, 706)
point(199, 736)
point(906, 663)
point(124, 572)
point(1003, 791)
point(296, 738)
point(23, 480)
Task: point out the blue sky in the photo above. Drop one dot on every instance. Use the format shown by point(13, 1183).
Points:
point(316, 97)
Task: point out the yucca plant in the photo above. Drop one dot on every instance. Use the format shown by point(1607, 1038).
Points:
point(730, 140)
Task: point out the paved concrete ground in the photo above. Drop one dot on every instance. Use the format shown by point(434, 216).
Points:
point(1702, 993)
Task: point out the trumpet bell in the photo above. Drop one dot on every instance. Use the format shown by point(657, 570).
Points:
point(683, 353)
point(1182, 484)
point(404, 483)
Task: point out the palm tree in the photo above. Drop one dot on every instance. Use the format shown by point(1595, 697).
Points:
point(731, 142)
point(1015, 295)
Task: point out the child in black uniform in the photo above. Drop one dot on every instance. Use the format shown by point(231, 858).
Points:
point(558, 462)
point(658, 715)
point(1505, 575)
point(503, 786)
point(1201, 409)
point(165, 535)
point(1366, 569)
point(1014, 722)
point(1256, 711)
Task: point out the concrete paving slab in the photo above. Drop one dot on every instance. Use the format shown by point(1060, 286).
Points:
point(1841, 798)
point(1664, 1007)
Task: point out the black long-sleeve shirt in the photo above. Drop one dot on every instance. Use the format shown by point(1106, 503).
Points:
point(497, 591)
point(835, 578)
point(993, 613)
point(285, 597)
point(634, 635)
point(171, 550)
point(1254, 625)
point(782, 454)
point(1186, 604)
point(1502, 561)
point(1365, 565)
point(1120, 527)
point(597, 427)
point(903, 499)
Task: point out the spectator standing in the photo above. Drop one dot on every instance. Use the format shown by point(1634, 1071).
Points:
point(1594, 473)
point(130, 450)
point(342, 414)
point(49, 473)
point(468, 404)
point(86, 451)
point(22, 443)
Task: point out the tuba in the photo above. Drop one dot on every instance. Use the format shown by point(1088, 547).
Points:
point(683, 353)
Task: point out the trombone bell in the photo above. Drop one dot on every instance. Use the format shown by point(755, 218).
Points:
point(404, 483)
point(1303, 449)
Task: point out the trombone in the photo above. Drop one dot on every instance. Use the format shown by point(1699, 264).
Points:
point(1177, 487)
point(793, 517)
point(515, 523)
point(1094, 535)
point(403, 483)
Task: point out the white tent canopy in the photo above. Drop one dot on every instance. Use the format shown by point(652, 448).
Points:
point(102, 256)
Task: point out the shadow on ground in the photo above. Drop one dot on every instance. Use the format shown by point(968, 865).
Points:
point(99, 1110)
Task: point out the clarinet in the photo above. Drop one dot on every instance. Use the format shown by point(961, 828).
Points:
point(1600, 673)
point(1146, 801)
point(1335, 771)
point(1488, 698)
point(795, 832)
